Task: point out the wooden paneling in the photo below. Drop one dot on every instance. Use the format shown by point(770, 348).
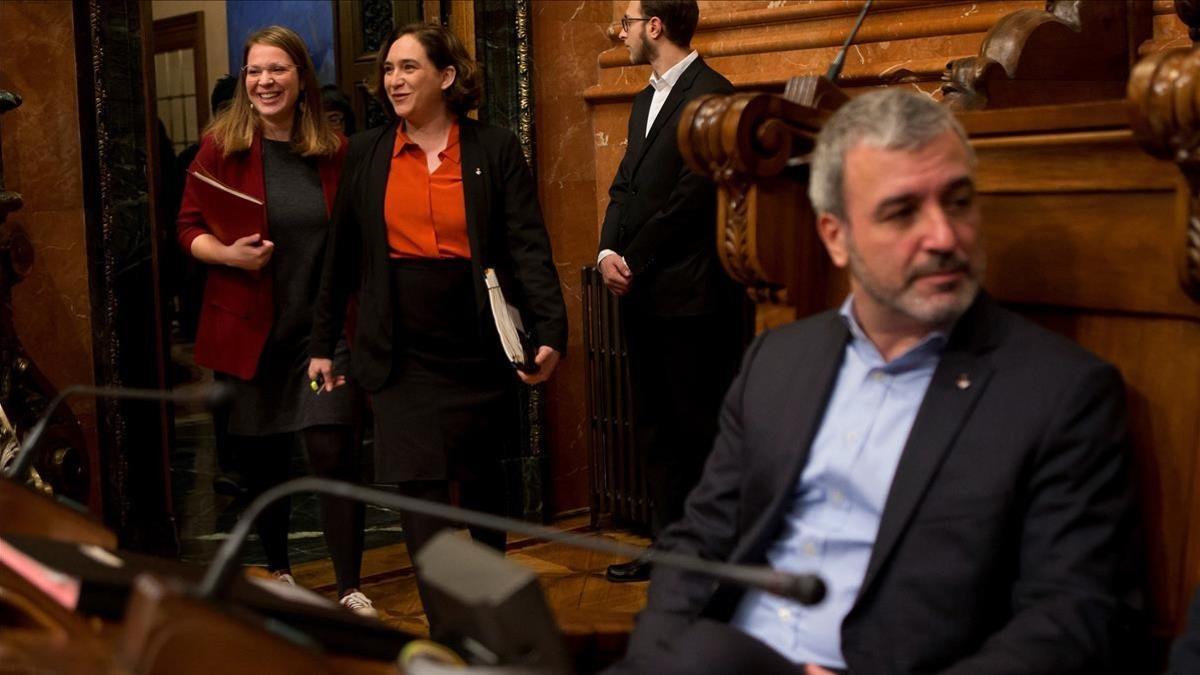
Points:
point(1104, 251)
point(761, 45)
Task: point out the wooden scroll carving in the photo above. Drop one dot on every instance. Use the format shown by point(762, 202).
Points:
point(1188, 12)
point(24, 390)
point(1073, 51)
point(1165, 97)
point(754, 147)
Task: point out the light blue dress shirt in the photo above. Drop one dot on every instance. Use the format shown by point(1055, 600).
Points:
point(834, 517)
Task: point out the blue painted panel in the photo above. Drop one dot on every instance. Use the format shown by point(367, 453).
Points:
point(311, 19)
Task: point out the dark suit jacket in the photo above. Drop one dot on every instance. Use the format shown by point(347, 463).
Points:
point(661, 216)
point(1004, 542)
point(504, 226)
point(239, 305)
point(1185, 654)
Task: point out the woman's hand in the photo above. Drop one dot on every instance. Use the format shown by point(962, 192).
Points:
point(249, 253)
point(546, 359)
point(321, 372)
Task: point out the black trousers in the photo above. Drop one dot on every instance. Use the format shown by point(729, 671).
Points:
point(485, 495)
point(680, 369)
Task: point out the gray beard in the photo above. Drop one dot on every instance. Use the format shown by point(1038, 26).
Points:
point(901, 302)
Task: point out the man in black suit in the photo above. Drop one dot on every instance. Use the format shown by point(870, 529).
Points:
point(957, 475)
point(683, 316)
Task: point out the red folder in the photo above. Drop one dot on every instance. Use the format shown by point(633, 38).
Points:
point(228, 213)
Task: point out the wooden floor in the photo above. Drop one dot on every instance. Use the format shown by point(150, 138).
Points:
point(581, 599)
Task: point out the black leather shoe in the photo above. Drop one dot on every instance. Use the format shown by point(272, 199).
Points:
point(229, 484)
point(637, 569)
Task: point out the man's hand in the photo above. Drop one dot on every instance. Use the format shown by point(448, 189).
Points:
point(810, 669)
point(546, 359)
point(249, 253)
point(321, 372)
point(616, 274)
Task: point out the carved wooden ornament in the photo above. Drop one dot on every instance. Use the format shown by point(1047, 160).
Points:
point(1072, 51)
point(1165, 112)
point(738, 141)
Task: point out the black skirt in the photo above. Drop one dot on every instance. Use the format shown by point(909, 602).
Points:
point(448, 410)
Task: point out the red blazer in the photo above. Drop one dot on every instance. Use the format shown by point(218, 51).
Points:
point(238, 305)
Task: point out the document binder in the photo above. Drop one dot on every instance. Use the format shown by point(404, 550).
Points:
point(513, 338)
point(228, 213)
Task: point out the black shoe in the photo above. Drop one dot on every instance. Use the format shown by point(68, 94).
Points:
point(228, 484)
point(637, 569)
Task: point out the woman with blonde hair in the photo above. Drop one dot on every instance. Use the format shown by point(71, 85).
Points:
point(256, 209)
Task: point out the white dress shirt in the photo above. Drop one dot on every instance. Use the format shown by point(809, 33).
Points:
point(662, 85)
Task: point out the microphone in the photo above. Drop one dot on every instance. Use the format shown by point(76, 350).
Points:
point(835, 68)
point(214, 396)
point(807, 589)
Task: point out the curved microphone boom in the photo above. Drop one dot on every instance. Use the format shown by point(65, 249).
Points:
point(806, 589)
point(835, 68)
point(213, 396)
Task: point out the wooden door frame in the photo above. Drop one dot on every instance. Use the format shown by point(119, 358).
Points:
point(186, 31)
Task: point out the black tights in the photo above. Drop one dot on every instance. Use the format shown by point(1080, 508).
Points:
point(332, 452)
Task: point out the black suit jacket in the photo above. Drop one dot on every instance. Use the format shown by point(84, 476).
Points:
point(661, 216)
point(1004, 545)
point(504, 226)
point(1185, 654)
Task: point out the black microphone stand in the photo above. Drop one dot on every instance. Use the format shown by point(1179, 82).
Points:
point(806, 589)
point(213, 396)
point(835, 68)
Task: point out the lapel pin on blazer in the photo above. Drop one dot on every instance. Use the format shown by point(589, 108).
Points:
point(963, 381)
point(478, 171)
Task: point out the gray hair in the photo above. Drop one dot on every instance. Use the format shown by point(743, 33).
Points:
point(892, 119)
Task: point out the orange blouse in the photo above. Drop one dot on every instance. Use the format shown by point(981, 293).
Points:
point(426, 213)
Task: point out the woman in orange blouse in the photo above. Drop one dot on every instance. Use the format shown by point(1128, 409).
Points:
point(425, 205)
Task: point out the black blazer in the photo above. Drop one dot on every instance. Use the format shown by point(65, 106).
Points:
point(1185, 654)
point(504, 226)
point(1005, 541)
point(661, 216)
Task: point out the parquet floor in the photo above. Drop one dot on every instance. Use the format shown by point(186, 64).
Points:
point(573, 579)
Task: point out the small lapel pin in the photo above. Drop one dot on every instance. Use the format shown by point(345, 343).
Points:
point(478, 171)
point(963, 381)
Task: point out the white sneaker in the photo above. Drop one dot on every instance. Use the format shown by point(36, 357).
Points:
point(284, 577)
point(359, 604)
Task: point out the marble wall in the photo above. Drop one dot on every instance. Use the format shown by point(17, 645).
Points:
point(52, 306)
point(567, 36)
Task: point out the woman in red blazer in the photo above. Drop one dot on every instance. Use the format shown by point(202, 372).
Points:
point(256, 210)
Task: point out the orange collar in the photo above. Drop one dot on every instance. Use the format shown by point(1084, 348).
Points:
point(452, 151)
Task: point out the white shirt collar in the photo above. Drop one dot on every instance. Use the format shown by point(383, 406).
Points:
point(669, 78)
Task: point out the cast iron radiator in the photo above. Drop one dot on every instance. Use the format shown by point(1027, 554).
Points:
point(618, 476)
